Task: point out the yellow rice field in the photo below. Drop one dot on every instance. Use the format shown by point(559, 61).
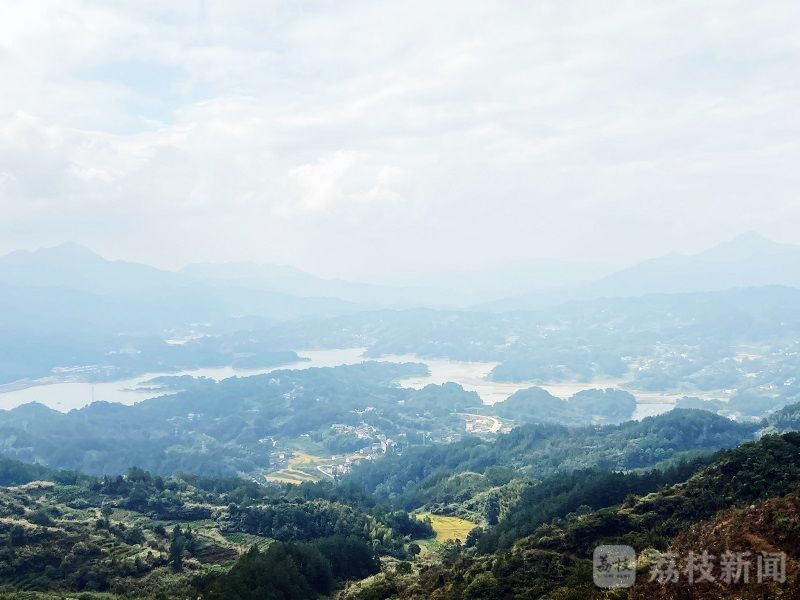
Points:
point(449, 528)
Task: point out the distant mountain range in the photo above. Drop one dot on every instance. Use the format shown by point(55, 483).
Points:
point(204, 291)
point(74, 266)
point(510, 279)
point(289, 280)
point(69, 288)
point(67, 306)
point(748, 260)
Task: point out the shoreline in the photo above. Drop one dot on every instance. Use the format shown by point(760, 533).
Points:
point(76, 389)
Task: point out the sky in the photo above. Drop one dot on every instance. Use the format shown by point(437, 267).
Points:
point(365, 139)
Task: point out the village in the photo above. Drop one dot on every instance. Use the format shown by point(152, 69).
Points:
point(302, 460)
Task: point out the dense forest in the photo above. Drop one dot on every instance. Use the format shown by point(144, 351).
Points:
point(221, 428)
point(140, 533)
point(238, 425)
point(537, 451)
point(145, 535)
point(543, 548)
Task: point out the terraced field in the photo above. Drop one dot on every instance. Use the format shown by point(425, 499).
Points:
point(302, 467)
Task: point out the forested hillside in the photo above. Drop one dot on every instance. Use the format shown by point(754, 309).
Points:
point(229, 427)
point(537, 519)
point(745, 499)
point(141, 535)
point(538, 451)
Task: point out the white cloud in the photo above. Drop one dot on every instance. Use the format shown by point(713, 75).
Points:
point(359, 137)
point(321, 182)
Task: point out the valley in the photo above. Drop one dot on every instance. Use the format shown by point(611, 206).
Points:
point(369, 300)
point(447, 453)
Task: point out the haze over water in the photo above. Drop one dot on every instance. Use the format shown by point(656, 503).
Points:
point(472, 376)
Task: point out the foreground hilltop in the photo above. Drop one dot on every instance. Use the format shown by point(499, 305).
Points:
point(745, 500)
point(143, 536)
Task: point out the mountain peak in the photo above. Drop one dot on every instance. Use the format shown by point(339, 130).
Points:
point(746, 245)
point(752, 236)
point(66, 251)
point(69, 250)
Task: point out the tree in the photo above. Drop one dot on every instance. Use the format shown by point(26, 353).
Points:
point(450, 551)
point(473, 536)
point(40, 517)
point(492, 510)
point(483, 587)
point(17, 536)
point(137, 498)
point(176, 549)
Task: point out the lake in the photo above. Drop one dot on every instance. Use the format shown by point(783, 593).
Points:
point(473, 376)
point(67, 395)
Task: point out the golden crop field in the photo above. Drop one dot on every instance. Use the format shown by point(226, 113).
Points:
point(449, 528)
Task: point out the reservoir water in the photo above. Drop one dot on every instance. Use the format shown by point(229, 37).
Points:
point(473, 376)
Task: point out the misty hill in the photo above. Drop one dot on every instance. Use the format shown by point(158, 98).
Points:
point(516, 278)
point(748, 260)
point(74, 266)
point(69, 307)
point(601, 338)
point(71, 284)
point(745, 261)
point(289, 280)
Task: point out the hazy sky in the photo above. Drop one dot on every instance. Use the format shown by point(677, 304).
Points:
point(350, 138)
